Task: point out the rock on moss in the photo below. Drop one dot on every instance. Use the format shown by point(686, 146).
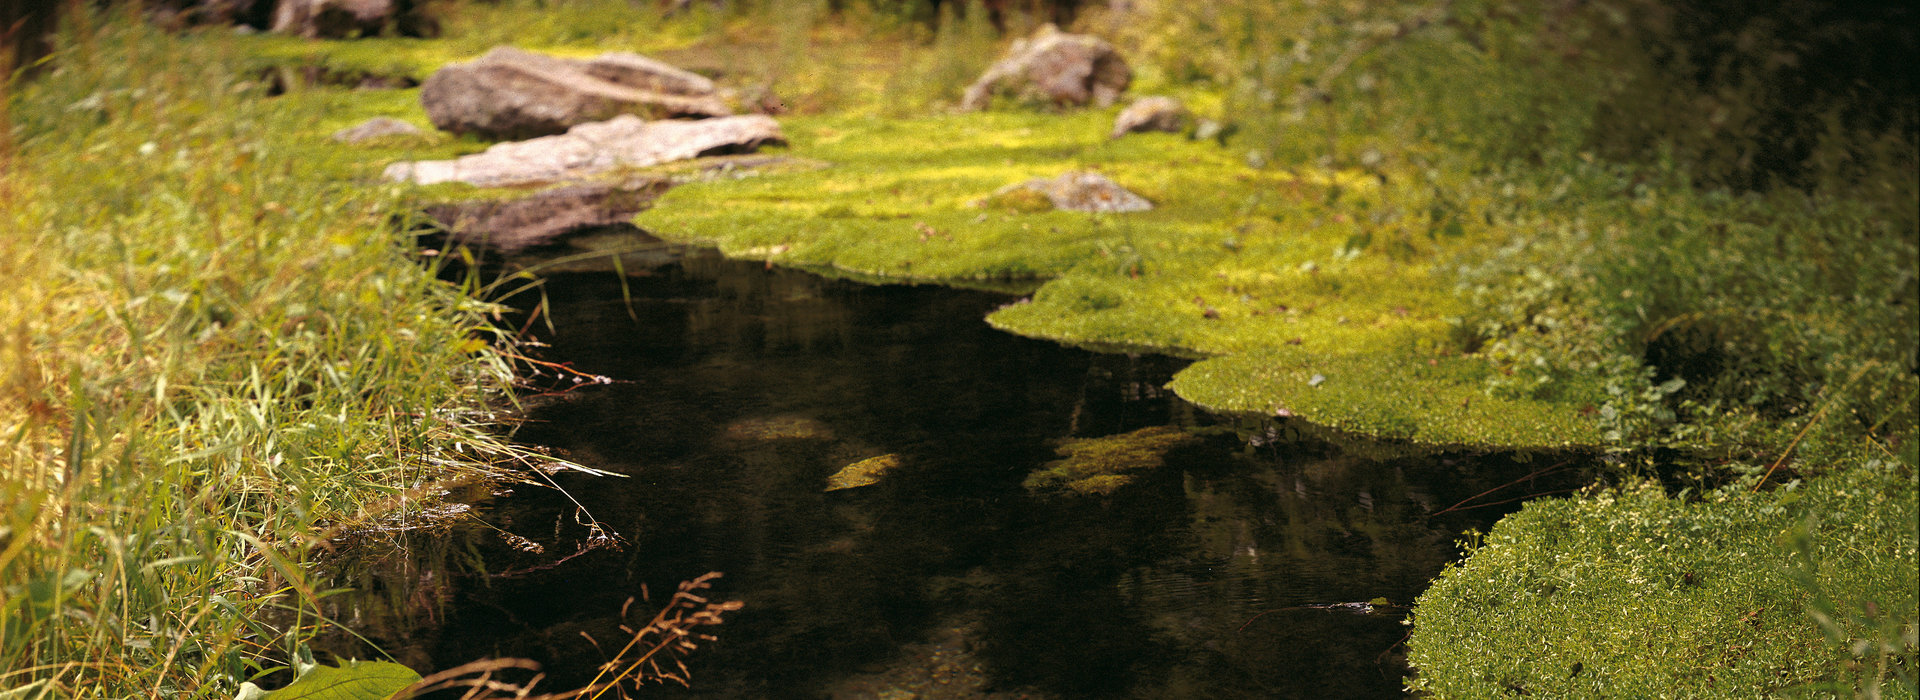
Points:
point(1060, 68)
point(375, 128)
point(1156, 113)
point(1077, 191)
point(1100, 466)
point(509, 93)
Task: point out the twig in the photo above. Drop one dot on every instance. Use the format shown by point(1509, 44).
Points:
point(1814, 420)
point(1536, 474)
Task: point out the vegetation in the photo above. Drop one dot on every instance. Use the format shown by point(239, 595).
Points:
point(1468, 222)
point(1637, 593)
point(216, 359)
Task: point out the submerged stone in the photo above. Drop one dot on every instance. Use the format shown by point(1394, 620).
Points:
point(866, 472)
point(1100, 466)
point(778, 428)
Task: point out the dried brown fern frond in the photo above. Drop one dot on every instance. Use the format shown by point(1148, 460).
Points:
point(673, 634)
point(656, 653)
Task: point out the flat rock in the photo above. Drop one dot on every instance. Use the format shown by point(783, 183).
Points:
point(1081, 191)
point(515, 224)
point(514, 94)
point(375, 128)
point(1150, 114)
point(1064, 69)
point(625, 141)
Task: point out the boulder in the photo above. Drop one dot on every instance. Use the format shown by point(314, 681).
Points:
point(1078, 191)
point(1151, 114)
point(512, 225)
point(514, 94)
point(342, 19)
point(375, 128)
point(1053, 66)
point(625, 141)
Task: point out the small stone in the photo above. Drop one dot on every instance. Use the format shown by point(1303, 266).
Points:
point(375, 128)
point(1077, 191)
point(1151, 114)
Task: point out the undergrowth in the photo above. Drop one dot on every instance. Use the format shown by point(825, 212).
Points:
point(215, 357)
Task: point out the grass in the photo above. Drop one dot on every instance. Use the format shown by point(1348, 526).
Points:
point(216, 355)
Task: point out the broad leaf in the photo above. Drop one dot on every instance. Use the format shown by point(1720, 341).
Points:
point(357, 680)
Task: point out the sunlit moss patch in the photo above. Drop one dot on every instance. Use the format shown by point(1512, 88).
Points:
point(1302, 270)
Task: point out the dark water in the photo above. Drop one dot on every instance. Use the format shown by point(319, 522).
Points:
point(740, 389)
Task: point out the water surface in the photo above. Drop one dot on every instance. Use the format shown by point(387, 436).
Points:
point(740, 388)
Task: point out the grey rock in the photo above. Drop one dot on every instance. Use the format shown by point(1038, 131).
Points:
point(515, 224)
point(641, 73)
point(341, 19)
point(514, 94)
point(1151, 114)
point(377, 127)
point(625, 141)
point(1053, 66)
point(1083, 191)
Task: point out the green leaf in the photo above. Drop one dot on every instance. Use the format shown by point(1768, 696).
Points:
point(357, 680)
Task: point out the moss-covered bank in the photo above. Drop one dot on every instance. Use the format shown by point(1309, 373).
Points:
point(1320, 294)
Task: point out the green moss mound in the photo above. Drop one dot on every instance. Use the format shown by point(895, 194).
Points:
point(1635, 593)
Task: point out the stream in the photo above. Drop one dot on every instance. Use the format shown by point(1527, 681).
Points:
point(739, 388)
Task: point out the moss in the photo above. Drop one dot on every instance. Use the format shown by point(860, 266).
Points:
point(1634, 593)
point(1020, 200)
point(1099, 466)
point(1271, 272)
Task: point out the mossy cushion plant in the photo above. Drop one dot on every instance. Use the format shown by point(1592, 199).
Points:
point(1280, 275)
point(1638, 594)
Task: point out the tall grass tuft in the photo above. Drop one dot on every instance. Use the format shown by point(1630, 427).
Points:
point(212, 354)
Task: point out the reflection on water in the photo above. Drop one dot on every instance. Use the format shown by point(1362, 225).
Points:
point(740, 389)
